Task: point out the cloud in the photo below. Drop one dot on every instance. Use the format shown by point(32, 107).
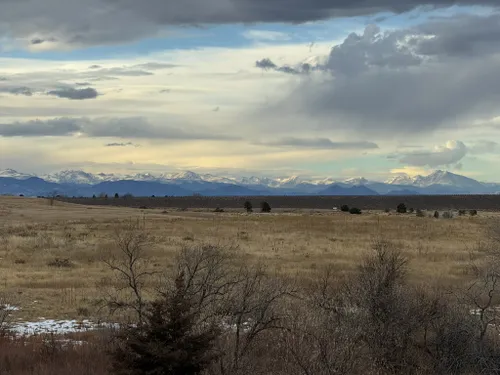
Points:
point(484, 147)
point(442, 73)
point(39, 128)
point(74, 23)
point(319, 143)
point(154, 66)
point(115, 144)
point(266, 35)
point(265, 64)
point(451, 153)
point(268, 64)
point(132, 127)
point(25, 91)
point(123, 72)
point(75, 94)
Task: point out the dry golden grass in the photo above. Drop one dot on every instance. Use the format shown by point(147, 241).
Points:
point(34, 234)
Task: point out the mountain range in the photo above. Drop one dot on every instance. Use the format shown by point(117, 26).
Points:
point(81, 183)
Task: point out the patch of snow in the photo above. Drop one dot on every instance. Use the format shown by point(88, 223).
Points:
point(58, 327)
point(9, 308)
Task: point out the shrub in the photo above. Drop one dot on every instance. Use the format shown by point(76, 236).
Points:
point(60, 263)
point(218, 209)
point(401, 209)
point(265, 207)
point(473, 212)
point(117, 196)
point(461, 212)
point(436, 214)
point(355, 211)
point(447, 215)
point(411, 210)
point(248, 206)
point(344, 208)
point(387, 210)
point(420, 213)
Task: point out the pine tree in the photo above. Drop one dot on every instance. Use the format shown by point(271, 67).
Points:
point(248, 206)
point(169, 342)
point(265, 207)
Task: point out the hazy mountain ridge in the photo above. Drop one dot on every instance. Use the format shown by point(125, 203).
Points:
point(81, 183)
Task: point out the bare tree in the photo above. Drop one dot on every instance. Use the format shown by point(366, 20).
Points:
point(245, 301)
point(323, 334)
point(255, 316)
point(131, 266)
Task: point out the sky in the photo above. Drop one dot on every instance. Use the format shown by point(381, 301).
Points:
point(319, 88)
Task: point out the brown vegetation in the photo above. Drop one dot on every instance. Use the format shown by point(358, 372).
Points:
point(376, 293)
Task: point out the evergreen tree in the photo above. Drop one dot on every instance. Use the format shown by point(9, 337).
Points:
point(248, 206)
point(265, 207)
point(170, 342)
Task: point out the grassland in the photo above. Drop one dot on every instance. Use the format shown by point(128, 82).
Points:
point(34, 234)
point(424, 202)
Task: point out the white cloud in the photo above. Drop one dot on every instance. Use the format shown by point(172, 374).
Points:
point(266, 35)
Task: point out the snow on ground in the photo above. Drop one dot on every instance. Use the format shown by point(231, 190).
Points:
point(8, 307)
point(58, 327)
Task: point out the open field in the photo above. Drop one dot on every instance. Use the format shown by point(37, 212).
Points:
point(33, 234)
point(424, 202)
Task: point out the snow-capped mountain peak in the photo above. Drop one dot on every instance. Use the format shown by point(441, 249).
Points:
point(447, 178)
point(356, 181)
point(438, 182)
point(187, 176)
point(11, 173)
point(72, 177)
point(253, 180)
point(402, 179)
point(438, 177)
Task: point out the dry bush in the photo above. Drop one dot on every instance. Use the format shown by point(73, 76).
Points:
point(5, 314)
point(47, 355)
point(377, 323)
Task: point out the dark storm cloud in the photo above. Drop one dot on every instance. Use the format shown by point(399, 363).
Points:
point(75, 94)
point(90, 22)
point(128, 128)
point(443, 73)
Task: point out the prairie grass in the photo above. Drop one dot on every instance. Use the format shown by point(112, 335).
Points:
point(36, 237)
